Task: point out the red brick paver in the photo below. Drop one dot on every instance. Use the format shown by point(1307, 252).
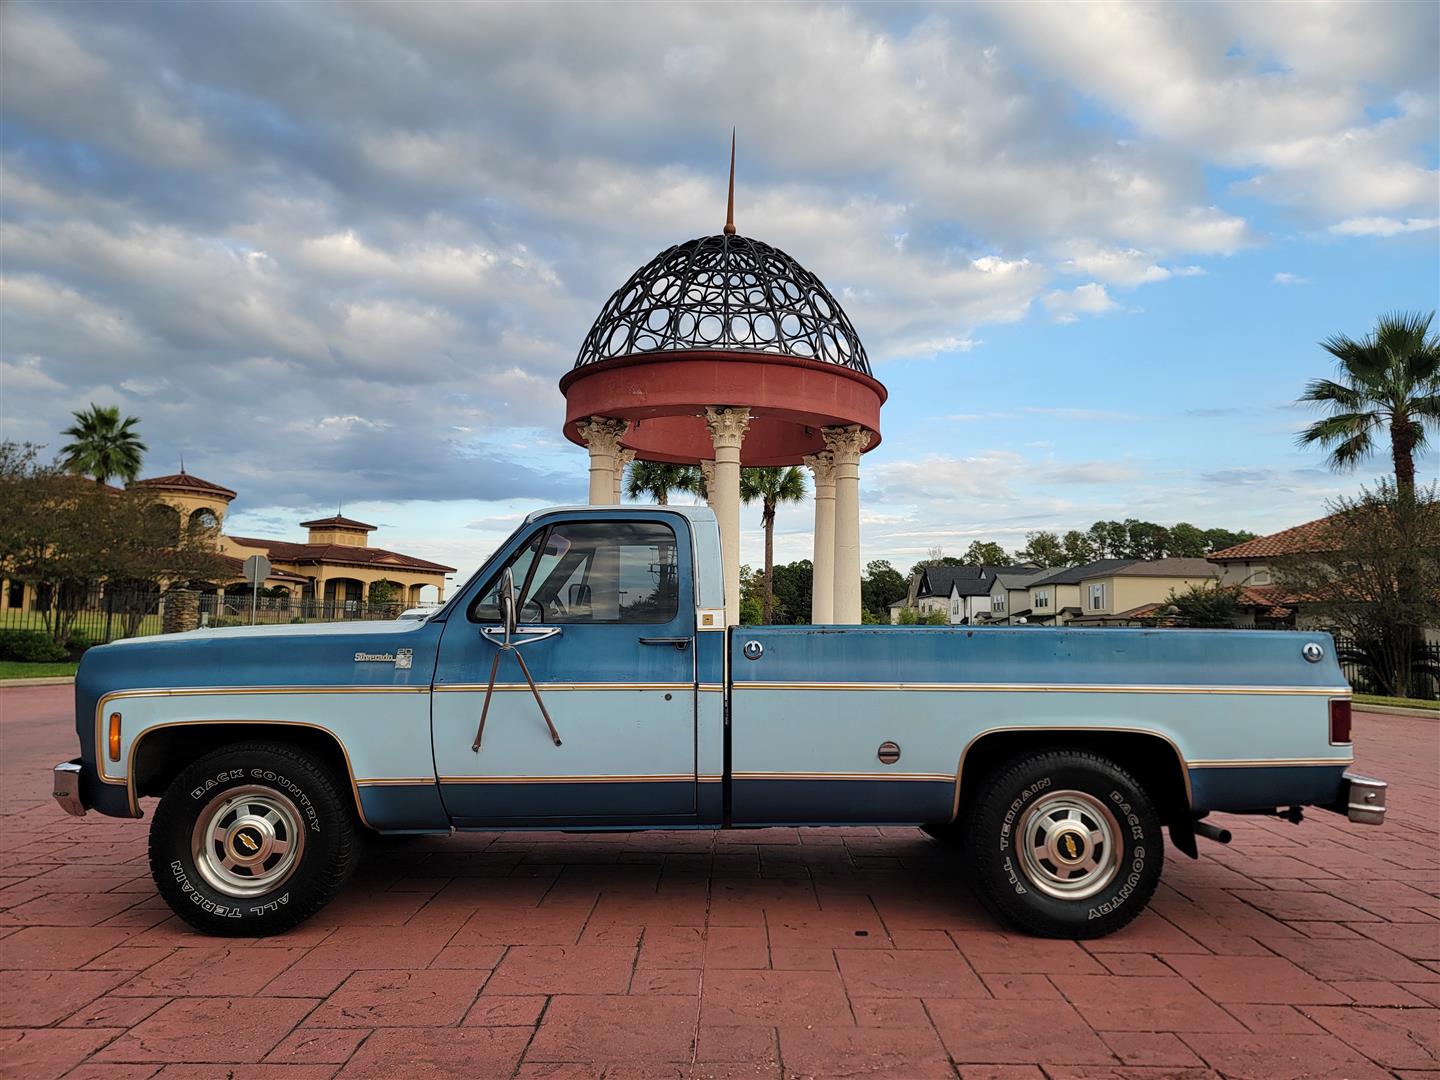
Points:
point(777, 953)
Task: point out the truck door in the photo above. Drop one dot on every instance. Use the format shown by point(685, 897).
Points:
point(607, 631)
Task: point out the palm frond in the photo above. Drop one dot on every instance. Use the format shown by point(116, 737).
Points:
point(1340, 427)
point(776, 485)
point(1427, 406)
point(1328, 392)
point(1349, 453)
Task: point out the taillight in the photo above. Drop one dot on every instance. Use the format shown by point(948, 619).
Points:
point(114, 736)
point(1339, 720)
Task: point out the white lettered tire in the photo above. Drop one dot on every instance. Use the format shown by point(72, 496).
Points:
point(1064, 843)
point(252, 839)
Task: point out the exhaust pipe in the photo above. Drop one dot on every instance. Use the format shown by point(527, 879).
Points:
point(1212, 832)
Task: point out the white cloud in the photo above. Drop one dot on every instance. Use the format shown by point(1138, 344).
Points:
point(1285, 278)
point(1090, 299)
point(1247, 87)
point(26, 373)
point(1383, 226)
point(1116, 266)
point(410, 214)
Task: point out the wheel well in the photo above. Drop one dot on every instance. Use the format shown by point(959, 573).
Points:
point(162, 753)
point(1153, 761)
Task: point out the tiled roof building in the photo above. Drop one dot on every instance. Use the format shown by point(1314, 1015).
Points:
point(335, 564)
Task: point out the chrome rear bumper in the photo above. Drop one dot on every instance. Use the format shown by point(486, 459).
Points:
point(1365, 799)
point(67, 788)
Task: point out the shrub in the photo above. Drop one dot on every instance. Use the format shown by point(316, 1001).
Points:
point(31, 647)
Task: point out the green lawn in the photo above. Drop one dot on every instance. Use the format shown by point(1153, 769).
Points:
point(16, 669)
point(1410, 703)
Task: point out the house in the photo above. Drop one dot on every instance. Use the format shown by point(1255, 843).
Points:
point(1054, 598)
point(1010, 593)
point(335, 565)
point(1251, 565)
point(1123, 595)
point(963, 593)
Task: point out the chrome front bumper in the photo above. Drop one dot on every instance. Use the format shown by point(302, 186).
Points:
point(1364, 799)
point(67, 788)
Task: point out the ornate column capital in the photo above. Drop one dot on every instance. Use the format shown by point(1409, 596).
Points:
point(623, 457)
point(846, 443)
point(602, 434)
point(707, 470)
point(727, 425)
point(822, 467)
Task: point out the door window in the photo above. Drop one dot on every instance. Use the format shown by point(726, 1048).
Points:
point(593, 572)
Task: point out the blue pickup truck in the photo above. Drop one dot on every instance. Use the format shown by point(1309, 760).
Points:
point(585, 679)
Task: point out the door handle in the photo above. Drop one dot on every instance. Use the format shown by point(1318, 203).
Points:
point(680, 643)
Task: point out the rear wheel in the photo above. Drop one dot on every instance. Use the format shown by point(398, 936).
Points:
point(252, 839)
point(1064, 844)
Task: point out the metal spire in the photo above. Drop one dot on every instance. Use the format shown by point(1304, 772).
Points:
point(730, 204)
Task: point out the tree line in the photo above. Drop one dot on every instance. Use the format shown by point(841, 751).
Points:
point(1128, 539)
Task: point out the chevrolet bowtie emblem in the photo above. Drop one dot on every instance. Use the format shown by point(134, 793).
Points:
point(245, 839)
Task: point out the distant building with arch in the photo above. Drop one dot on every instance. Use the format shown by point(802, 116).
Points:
point(335, 566)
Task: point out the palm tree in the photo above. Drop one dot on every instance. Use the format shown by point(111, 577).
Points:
point(772, 487)
point(103, 445)
point(1388, 380)
point(657, 479)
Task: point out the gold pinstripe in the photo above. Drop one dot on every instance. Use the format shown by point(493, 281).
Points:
point(651, 778)
point(1047, 688)
point(945, 778)
point(442, 688)
point(1257, 763)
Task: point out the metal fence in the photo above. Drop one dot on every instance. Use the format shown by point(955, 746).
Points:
point(1424, 675)
point(95, 616)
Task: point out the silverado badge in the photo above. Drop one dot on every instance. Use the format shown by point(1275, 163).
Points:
point(401, 658)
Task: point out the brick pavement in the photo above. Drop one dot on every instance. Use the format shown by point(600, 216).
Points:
point(1309, 951)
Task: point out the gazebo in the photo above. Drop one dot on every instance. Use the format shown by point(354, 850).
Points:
point(721, 352)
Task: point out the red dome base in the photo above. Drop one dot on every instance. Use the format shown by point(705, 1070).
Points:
point(664, 396)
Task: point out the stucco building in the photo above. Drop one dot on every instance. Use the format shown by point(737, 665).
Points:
point(334, 568)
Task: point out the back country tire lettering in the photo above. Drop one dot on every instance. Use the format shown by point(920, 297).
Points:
point(323, 810)
point(995, 813)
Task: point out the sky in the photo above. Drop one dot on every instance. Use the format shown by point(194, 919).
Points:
point(341, 254)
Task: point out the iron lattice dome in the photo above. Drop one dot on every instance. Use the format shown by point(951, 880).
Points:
point(725, 293)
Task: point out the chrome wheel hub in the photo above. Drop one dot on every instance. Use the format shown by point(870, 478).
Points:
point(248, 841)
point(1069, 845)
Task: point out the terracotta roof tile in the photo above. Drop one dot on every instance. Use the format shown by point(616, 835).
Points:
point(336, 521)
point(185, 482)
point(345, 554)
point(1297, 540)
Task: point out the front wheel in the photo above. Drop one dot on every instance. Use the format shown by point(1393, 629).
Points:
point(1064, 843)
point(252, 839)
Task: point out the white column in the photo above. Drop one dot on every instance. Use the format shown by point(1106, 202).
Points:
point(622, 459)
point(822, 588)
point(707, 470)
point(602, 436)
point(727, 431)
point(847, 444)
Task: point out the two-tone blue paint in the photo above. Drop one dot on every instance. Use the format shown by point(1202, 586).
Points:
point(700, 735)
